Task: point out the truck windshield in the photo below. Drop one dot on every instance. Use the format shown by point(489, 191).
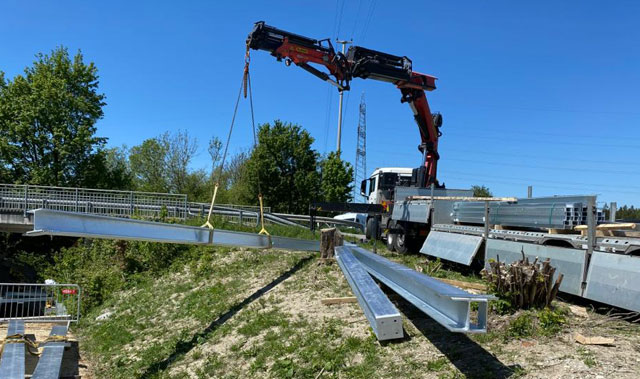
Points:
point(388, 181)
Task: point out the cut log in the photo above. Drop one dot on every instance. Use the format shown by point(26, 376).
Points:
point(525, 284)
point(329, 239)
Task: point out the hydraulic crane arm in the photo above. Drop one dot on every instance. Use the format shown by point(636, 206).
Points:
point(360, 62)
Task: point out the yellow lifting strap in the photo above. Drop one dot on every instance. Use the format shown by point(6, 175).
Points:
point(246, 86)
point(33, 348)
point(213, 200)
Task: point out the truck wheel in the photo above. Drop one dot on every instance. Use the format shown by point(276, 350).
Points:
point(371, 231)
point(391, 238)
point(401, 241)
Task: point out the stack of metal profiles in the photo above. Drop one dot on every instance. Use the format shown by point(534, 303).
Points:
point(450, 306)
point(558, 212)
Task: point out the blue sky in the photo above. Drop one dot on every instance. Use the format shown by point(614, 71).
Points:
point(542, 93)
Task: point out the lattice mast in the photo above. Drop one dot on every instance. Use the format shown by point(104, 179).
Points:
point(360, 169)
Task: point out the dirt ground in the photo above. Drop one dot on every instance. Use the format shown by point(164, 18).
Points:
point(282, 329)
point(427, 343)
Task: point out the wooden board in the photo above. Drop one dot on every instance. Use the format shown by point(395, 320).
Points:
point(619, 226)
point(462, 198)
point(464, 285)
point(339, 300)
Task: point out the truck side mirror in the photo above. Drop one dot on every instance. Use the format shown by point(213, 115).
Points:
point(363, 188)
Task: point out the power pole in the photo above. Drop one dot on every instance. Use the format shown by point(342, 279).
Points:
point(344, 44)
point(360, 170)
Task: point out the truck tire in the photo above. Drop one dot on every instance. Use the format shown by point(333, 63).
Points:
point(402, 241)
point(391, 237)
point(371, 231)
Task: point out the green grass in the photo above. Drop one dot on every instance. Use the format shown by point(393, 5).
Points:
point(161, 314)
point(587, 357)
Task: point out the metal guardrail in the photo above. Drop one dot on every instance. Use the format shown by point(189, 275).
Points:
point(24, 198)
point(446, 304)
point(383, 316)
point(39, 302)
point(14, 197)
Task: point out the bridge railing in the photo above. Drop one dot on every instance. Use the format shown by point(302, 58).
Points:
point(24, 198)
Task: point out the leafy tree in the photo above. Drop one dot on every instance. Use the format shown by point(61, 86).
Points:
point(285, 166)
point(215, 152)
point(161, 164)
point(337, 177)
point(627, 212)
point(47, 123)
point(111, 169)
point(481, 191)
point(148, 167)
point(181, 150)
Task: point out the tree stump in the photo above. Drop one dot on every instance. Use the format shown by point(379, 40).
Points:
point(525, 284)
point(330, 238)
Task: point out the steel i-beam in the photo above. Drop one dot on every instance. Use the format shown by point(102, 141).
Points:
point(383, 316)
point(58, 223)
point(446, 304)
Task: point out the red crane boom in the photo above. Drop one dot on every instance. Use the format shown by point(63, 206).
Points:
point(360, 62)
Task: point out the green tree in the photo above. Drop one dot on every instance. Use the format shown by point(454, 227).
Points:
point(47, 123)
point(148, 165)
point(337, 178)
point(481, 191)
point(285, 166)
point(181, 150)
point(161, 164)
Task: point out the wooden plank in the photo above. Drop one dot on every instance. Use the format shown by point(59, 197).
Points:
point(560, 231)
point(619, 226)
point(339, 300)
point(464, 285)
point(593, 340)
point(463, 198)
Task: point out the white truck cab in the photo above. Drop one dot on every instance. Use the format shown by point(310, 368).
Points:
point(382, 179)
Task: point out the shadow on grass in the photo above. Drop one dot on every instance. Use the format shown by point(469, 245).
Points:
point(466, 355)
point(183, 347)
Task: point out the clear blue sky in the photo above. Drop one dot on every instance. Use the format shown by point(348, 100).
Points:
point(544, 93)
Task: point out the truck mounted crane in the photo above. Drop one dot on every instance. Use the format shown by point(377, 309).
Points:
point(360, 62)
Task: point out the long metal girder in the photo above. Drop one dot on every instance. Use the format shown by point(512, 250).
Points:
point(12, 361)
point(51, 359)
point(446, 304)
point(383, 316)
point(57, 223)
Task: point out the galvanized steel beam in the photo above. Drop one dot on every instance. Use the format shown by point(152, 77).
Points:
point(12, 361)
point(56, 223)
point(383, 316)
point(448, 305)
point(51, 359)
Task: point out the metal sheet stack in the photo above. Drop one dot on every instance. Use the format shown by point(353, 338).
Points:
point(558, 212)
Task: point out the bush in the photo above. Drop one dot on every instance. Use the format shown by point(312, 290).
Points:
point(552, 320)
point(522, 326)
point(101, 267)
